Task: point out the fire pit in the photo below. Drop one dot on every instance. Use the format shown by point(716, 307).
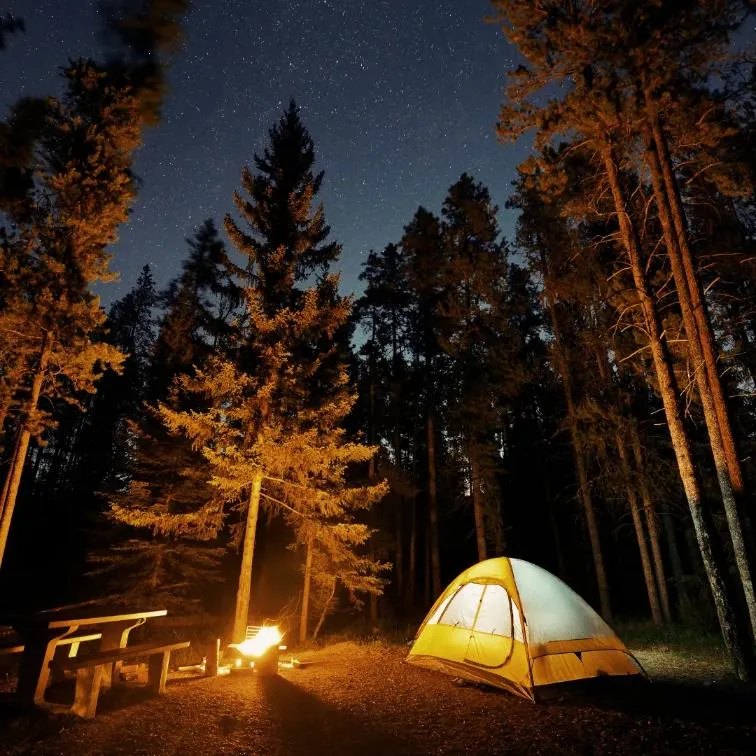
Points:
point(258, 651)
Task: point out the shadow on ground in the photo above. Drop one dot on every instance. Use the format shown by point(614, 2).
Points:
point(307, 725)
point(732, 704)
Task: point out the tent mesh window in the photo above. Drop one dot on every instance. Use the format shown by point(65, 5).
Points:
point(461, 610)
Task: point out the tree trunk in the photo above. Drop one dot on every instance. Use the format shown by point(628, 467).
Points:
point(433, 507)
point(399, 548)
point(306, 593)
point(736, 644)
point(16, 467)
point(412, 556)
point(401, 501)
point(632, 498)
point(326, 607)
point(373, 598)
point(241, 616)
point(577, 450)
point(652, 523)
point(674, 551)
point(480, 527)
point(698, 302)
point(427, 572)
point(706, 386)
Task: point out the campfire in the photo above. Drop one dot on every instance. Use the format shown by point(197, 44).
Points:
point(259, 650)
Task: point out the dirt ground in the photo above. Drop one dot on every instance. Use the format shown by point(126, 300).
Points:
point(361, 699)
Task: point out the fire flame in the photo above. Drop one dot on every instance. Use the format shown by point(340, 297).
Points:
point(266, 638)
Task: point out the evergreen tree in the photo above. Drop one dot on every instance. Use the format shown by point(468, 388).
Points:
point(422, 250)
point(172, 574)
point(167, 493)
point(103, 445)
point(475, 334)
point(597, 104)
point(268, 421)
point(58, 231)
point(386, 404)
point(199, 304)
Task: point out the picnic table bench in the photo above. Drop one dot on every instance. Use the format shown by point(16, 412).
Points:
point(42, 633)
point(92, 669)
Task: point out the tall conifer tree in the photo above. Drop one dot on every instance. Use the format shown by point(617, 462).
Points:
point(61, 224)
point(273, 432)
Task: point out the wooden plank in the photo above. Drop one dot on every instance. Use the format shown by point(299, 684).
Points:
point(96, 619)
point(79, 638)
point(107, 657)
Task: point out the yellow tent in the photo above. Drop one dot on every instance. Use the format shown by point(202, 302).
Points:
point(509, 623)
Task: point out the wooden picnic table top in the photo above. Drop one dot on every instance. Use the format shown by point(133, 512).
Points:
point(59, 619)
point(98, 618)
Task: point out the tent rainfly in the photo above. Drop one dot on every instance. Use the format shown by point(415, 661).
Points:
point(509, 623)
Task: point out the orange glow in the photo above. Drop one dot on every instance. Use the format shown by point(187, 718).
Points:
point(266, 638)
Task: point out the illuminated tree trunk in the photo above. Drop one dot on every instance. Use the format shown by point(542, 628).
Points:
point(652, 523)
point(698, 302)
point(707, 377)
point(737, 646)
point(241, 616)
point(578, 455)
point(399, 557)
point(372, 598)
point(632, 498)
point(16, 467)
point(306, 593)
point(480, 528)
point(435, 557)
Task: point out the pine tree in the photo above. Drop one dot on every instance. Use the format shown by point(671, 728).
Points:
point(597, 106)
point(167, 493)
point(422, 249)
point(474, 333)
point(102, 443)
point(60, 228)
point(277, 403)
point(171, 574)
point(199, 304)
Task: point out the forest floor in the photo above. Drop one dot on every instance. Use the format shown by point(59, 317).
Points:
point(359, 698)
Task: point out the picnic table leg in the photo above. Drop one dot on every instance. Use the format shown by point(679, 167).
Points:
point(88, 683)
point(158, 671)
point(115, 635)
point(34, 673)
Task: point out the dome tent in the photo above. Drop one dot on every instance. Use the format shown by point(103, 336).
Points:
point(509, 623)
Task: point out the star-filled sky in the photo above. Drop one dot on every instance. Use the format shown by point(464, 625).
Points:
point(400, 96)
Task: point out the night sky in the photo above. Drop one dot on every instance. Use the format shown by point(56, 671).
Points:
point(400, 96)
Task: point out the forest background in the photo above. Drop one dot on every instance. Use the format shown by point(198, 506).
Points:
point(581, 395)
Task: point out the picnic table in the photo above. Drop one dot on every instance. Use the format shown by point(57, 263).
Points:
point(43, 632)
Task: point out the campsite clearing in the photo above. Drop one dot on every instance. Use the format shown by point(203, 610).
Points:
point(362, 699)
